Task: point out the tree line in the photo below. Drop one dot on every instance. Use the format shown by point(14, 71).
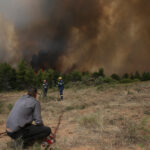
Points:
point(24, 76)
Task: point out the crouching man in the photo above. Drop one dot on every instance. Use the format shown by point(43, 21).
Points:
point(19, 124)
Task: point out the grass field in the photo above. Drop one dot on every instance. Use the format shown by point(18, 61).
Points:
point(106, 117)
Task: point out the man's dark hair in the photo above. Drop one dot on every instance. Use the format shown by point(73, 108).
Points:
point(32, 91)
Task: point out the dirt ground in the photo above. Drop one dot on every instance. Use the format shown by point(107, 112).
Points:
point(95, 118)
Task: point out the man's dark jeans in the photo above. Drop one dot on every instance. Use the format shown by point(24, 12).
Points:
point(45, 92)
point(31, 133)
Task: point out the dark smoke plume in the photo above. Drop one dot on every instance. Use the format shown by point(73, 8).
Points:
point(51, 35)
point(78, 34)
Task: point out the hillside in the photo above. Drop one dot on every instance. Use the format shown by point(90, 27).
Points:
point(107, 117)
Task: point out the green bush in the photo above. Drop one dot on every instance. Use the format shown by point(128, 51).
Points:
point(68, 85)
point(115, 77)
point(86, 79)
point(125, 76)
point(99, 80)
point(132, 77)
point(66, 78)
point(109, 80)
point(126, 80)
point(100, 73)
point(145, 76)
point(76, 76)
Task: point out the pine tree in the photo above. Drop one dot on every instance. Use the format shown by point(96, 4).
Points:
point(101, 72)
point(137, 75)
point(39, 79)
point(7, 77)
point(21, 73)
point(50, 77)
point(132, 77)
point(125, 76)
point(30, 77)
point(55, 77)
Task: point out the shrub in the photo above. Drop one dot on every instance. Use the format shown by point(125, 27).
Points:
point(99, 80)
point(115, 77)
point(95, 75)
point(145, 76)
point(132, 77)
point(100, 73)
point(125, 76)
point(86, 80)
point(76, 76)
point(126, 80)
point(109, 80)
point(68, 85)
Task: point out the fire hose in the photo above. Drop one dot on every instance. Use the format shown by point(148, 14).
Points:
point(2, 134)
point(52, 137)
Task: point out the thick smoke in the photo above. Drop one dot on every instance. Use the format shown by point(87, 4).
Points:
point(8, 42)
point(52, 33)
point(82, 34)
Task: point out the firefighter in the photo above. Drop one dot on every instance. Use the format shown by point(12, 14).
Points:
point(19, 124)
point(45, 88)
point(60, 87)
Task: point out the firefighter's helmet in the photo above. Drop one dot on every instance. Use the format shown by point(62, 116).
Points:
point(60, 78)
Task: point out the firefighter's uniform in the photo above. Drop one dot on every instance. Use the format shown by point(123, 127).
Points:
point(60, 87)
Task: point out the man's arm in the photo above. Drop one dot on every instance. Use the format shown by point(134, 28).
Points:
point(37, 114)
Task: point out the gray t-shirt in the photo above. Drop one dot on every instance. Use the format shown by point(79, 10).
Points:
point(25, 110)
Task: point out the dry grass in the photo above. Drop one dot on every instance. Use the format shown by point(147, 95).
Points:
point(107, 117)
